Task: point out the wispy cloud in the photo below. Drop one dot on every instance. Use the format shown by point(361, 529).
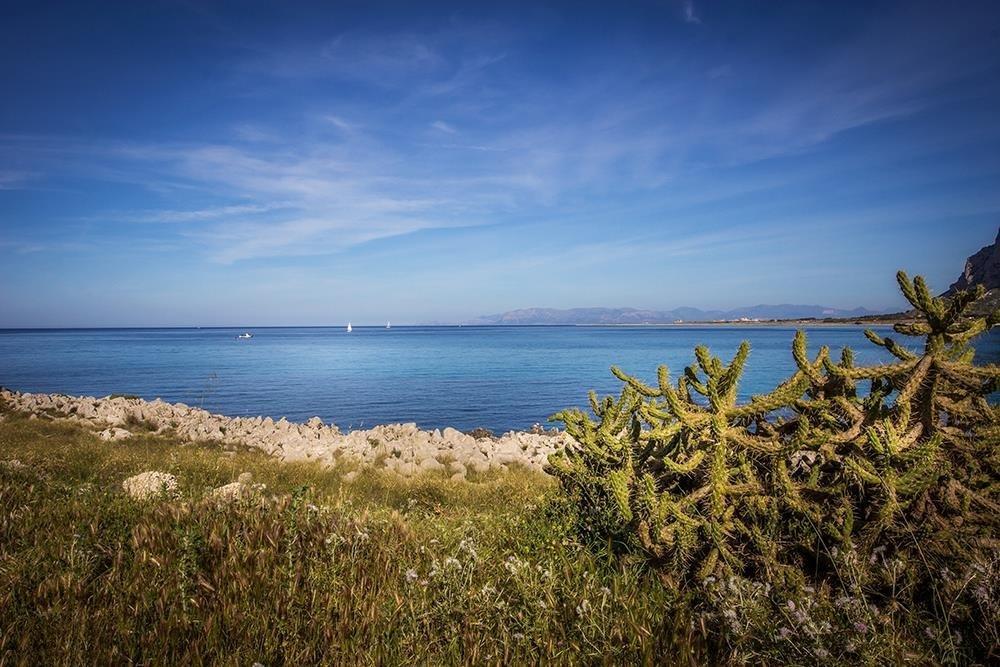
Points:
point(443, 127)
point(15, 180)
point(314, 182)
point(379, 59)
point(340, 123)
point(689, 13)
point(200, 215)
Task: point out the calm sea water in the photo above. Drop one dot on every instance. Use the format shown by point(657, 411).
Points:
point(496, 377)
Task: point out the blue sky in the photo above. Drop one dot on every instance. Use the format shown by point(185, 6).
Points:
point(194, 163)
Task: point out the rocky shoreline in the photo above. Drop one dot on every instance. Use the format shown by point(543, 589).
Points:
point(404, 449)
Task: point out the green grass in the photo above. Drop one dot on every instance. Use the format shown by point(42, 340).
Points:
point(380, 570)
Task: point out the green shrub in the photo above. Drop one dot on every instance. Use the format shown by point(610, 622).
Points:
point(814, 484)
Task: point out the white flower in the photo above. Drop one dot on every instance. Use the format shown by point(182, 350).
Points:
point(411, 575)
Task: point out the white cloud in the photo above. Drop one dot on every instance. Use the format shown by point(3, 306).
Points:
point(340, 123)
point(689, 13)
point(443, 127)
point(200, 215)
point(15, 180)
point(528, 146)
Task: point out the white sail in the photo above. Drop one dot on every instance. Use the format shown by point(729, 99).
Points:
point(349, 328)
point(388, 325)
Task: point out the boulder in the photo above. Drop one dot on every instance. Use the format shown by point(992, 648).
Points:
point(242, 489)
point(114, 434)
point(431, 465)
point(150, 485)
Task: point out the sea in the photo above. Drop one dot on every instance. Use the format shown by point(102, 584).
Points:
point(499, 378)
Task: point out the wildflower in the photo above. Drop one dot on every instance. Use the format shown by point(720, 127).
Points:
point(583, 608)
point(452, 563)
point(312, 508)
point(784, 633)
point(513, 564)
point(605, 590)
point(861, 626)
point(791, 605)
point(822, 653)
point(518, 636)
point(468, 547)
point(411, 575)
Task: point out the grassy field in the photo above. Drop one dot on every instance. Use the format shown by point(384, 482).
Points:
point(378, 570)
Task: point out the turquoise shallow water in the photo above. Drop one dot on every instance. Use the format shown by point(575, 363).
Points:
point(496, 377)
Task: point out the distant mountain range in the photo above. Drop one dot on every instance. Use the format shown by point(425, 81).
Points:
point(982, 268)
point(684, 314)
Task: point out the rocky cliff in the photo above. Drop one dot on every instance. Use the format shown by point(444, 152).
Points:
point(982, 268)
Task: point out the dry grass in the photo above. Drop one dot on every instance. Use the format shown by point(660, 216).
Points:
point(376, 571)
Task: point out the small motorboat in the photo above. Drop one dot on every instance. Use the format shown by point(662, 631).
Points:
point(245, 334)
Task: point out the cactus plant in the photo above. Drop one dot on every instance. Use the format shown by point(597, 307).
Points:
point(773, 488)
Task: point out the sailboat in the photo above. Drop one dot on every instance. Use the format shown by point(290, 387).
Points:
point(387, 325)
point(349, 328)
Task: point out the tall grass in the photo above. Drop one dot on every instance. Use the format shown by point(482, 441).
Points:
point(376, 571)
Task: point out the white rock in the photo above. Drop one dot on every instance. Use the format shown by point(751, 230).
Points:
point(151, 484)
point(402, 448)
point(431, 465)
point(114, 434)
